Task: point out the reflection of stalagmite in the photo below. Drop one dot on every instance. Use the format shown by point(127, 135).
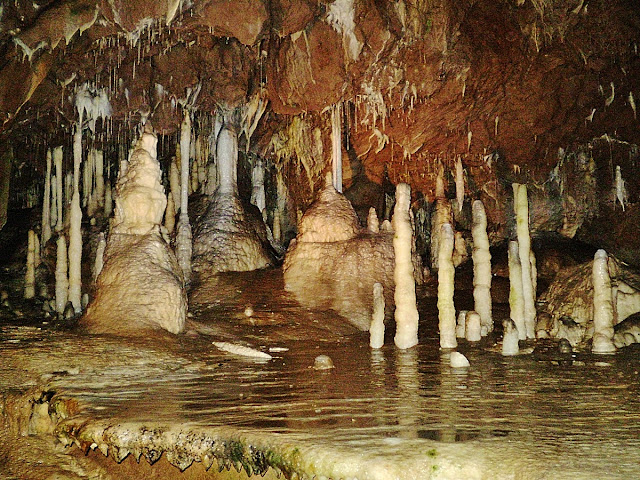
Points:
point(333, 263)
point(229, 237)
point(141, 284)
point(406, 313)
point(602, 305)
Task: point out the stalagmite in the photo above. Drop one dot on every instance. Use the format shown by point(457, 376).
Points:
point(442, 215)
point(446, 276)
point(510, 344)
point(140, 285)
point(184, 247)
point(36, 251)
point(516, 296)
point(373, 224)
point(336, 146)
point(57, 160)
point(258, 197)
point(524, 246)
point(461, 324)
point(46, 203)
point(62, 281)
point(99, 261)
point(174, 180)
point(53, 216)
point(376, 331)
point(473, 331)
point(75, 224)
point(108, 200)
point(30, 275)
point(481, 266)
point(603, 315)
point(170, 215)
point(99, 193)
point(406, 313)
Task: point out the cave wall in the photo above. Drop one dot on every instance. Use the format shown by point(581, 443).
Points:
point(539, 92)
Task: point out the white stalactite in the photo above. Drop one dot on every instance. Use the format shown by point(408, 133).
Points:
point(516, 296)
point(376, 331)
point(481, 266)
point(46, 203)
point(336, 146)
point(446, 278)
point(406, 314)
point(57, 160)
point(75, 225)
point(459, 184)
point(442, 215)
point(184, 245)
point(603, 313)
point(99, 173)
point(62, 280)
point(99, 261)
point(30, 275)
point(524, 246)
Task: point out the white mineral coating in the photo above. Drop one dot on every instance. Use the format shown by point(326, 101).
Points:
point(376, 331)
point(446, 277)
point(603, 314)
point(75, 253)
point(458, 360)
point(46, 203)
point(30, 275)
point(141, 284)
point(461, 324)
point(481, 265)
point(510, 338)
point(406, 313)
point(99, 261)
point(473, 332)
point(516, 296)
point(228, 238)
point(373, 225)
point(323, 362)
point(62, 281)
point(57, 160)
point(521, 204)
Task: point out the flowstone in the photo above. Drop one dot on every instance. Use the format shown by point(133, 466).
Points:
point(334, 263)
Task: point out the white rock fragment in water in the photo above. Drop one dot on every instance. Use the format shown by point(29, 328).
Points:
point(323, 362)
point(458, 360)
point(241, 350)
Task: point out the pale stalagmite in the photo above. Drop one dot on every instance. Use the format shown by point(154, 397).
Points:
point(376, 332)
point(603, 316)
point(481, 266)
point(516, 298)
point(140, 285)
point(446, 275)
point(521, 203)
point(406, 313)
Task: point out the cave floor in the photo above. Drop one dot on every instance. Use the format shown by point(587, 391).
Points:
point(184, 405)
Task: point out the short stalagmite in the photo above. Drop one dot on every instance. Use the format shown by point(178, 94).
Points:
point(141, 284)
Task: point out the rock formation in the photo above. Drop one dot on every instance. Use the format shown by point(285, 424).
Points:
point(141, 284)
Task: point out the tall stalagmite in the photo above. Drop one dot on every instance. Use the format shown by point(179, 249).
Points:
point(481, 266)
point(446, 276)
point(521, 203)
point(141, 284)
point(184, 246)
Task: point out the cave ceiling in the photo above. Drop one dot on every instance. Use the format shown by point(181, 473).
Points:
point(507, 83)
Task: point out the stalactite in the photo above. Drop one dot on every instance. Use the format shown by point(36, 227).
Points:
point(406, 313)
point(99, 178)
point(336, 146)
point(376, 331)
point(602, 305)
point(75, 225)
point(481, 266)
point(30, 275)
point(442, 216)
point(62, 280)
point(459, 183)
point(184, 246)
point(53, 216)
point(57, 159)
point(446, 278)
point(524, 246)
point(516, 296)
point(99, 260)
point(46, 203)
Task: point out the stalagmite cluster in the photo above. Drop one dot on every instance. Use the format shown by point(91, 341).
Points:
point(140, 285)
